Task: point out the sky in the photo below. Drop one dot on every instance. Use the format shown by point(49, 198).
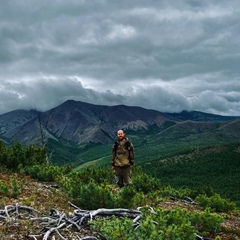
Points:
point(165, 55)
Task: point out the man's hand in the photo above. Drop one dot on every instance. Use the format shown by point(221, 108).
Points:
point(113, 167)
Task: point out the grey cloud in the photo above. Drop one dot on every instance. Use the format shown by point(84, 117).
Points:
point(212, 102)
point(111, 52)
point(158, 98)
point(42, 94)
point(51, 91)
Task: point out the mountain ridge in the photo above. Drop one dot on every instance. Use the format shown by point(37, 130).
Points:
point(82, 123)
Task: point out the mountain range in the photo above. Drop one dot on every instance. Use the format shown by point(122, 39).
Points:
point(81, 122)
point(76, 124)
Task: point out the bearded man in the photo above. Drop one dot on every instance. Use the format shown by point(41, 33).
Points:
point(122, 159)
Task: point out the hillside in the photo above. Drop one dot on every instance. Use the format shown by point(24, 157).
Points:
point(79, 133)
point(35, 195)
point(82, 135)
point(214, 167)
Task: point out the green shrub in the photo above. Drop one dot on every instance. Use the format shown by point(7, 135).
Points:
point(15, 188)
point(215, 203)
point(207, 221)
point(98, 175)
point(167, 191)
point(46, 173)
point(152, 227)
point(171, 224)
point(115, 228)
point(145, 183)
point(91, 196)
point(126, 197)
point(16, 156)
point(4, 189)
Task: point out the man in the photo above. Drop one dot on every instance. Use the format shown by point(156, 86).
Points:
point(122, 159)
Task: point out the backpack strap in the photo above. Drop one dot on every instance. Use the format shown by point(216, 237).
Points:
point(115, 146)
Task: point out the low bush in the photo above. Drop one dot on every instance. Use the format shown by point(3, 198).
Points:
point(164, 224)
point(91, 196)
point(4, 189)
point(215, 203)
point(145, 183)
point(47, 172)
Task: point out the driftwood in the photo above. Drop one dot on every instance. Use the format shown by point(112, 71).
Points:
point(75, 226)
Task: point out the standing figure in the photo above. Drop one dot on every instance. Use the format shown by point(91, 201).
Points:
point(122, 159)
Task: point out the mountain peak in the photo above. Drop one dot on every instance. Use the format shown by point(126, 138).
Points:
point(81, 122)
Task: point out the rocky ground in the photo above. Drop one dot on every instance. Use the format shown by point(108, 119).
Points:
point(44, 197)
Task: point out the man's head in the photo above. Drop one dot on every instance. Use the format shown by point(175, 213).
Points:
point(121, 135)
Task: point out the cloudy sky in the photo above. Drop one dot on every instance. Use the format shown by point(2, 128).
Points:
point(166, 55)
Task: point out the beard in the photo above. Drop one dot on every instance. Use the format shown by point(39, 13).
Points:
point(120, 138)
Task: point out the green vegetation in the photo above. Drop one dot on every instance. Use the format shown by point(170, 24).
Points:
point(163, 224)
point(4, 189)
point(196, 165)
point(17, 157)
point(214, 167)
point(93, 188)
point(215, 203)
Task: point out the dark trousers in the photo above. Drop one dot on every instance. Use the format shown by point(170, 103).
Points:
point(124, 175)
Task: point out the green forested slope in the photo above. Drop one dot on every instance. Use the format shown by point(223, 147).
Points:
point(216, 167)
point(197, 166)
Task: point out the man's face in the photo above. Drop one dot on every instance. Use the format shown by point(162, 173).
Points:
point(121, 135)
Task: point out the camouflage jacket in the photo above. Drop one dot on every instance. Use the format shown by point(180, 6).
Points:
point(122, 154)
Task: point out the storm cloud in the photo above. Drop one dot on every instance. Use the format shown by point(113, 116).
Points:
point(164, 55)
